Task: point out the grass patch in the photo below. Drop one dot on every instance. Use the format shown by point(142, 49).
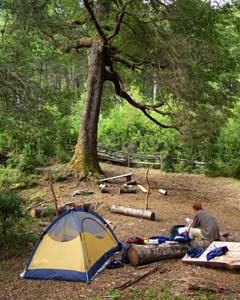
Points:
point(16, 179)
point(5, 270)
point(164, 294)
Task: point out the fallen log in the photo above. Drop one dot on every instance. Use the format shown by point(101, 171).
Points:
point(50, 210)
point(134, 212)
point(37, 204)
point(46, 211)
point(144, 254)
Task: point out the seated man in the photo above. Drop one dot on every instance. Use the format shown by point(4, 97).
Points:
point(203, 225)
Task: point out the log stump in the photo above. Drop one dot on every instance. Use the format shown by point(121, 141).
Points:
point(144, 254)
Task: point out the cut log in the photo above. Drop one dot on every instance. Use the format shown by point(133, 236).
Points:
point(47, 211)
point(134, 212)
point(142, 188)
point(50, 211)
point(144, 254)
point(129, 189)
point(163, 192)
point(103, 188)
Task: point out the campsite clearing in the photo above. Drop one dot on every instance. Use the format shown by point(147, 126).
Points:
point(221, 196)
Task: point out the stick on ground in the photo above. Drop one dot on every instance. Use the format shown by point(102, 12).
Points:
point(138, 278)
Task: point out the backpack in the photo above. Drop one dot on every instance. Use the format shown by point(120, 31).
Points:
point(178, 234)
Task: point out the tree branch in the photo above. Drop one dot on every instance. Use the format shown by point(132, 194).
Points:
point(129, 65)
point(119, 21)
point(112, 76)
point(97, 25)
point(85, 42)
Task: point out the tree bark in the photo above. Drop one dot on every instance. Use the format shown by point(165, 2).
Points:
point(85, 158)
point(144, 254)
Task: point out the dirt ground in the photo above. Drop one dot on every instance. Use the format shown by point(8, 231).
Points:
point(220, 196)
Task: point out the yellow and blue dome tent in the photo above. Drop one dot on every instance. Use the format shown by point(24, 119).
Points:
point(75, 246)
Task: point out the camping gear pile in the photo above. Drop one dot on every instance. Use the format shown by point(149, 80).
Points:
point(79, 243)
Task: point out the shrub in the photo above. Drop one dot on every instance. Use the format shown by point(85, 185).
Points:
point(28, 161)
point(10, 211)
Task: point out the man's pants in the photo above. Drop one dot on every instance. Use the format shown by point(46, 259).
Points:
point(195, 233)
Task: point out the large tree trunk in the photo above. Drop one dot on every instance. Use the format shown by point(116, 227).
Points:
point(85, 157)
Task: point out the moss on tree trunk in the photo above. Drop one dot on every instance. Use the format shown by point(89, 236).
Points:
point(85, 158)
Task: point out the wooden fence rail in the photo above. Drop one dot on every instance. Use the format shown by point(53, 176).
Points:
point(129, 159)
point(135, 160)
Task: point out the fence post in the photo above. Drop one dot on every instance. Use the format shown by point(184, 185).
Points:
point(129, 159)
point(160, 161)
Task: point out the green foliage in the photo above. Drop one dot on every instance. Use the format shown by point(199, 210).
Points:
point(138, 135)
point(18, 230)
point(10, 211)
point(14, 178)
point(63, 140)
point(28, 160)
point(133, 133)
point(37, 86)
point(225, 157)
point(21, 236)
point(114, 294)
point(5, 275)
point(58, 175)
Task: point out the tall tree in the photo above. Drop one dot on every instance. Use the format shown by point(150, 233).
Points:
point(173, 43)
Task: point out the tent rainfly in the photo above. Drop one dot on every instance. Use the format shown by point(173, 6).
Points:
point(75, 246)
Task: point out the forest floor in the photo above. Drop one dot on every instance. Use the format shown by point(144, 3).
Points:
point(220, 196)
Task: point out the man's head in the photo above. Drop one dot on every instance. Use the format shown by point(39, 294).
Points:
point(197, 206)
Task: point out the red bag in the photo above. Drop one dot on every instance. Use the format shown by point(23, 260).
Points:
point(135, 240)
